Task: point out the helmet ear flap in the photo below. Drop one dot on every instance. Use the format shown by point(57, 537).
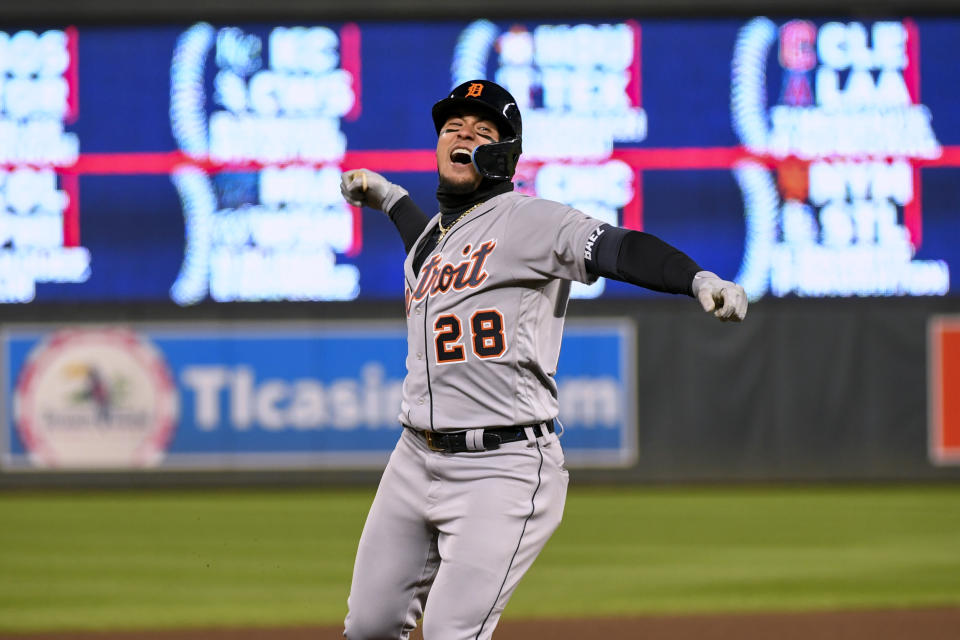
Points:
point(497, 160)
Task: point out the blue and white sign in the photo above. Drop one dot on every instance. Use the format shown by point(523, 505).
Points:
point(253, 396)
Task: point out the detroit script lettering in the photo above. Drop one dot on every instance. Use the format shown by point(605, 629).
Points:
point(437, 279)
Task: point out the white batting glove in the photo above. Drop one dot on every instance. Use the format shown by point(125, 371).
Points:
point(727, 300)
point(362, 187)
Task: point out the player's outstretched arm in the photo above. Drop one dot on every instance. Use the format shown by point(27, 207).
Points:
point(362, 187)
point(644, 260)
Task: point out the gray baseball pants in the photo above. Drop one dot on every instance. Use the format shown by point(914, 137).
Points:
point(461, 528)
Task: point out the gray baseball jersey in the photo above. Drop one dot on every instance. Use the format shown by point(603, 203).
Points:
point(485, 314)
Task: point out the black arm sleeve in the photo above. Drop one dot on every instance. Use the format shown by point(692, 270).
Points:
point(409, 220)
point(641, 259)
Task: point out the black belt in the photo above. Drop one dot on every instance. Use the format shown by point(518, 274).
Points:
point(492, 438)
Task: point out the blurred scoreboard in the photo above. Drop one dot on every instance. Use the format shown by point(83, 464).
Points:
point(200, 163)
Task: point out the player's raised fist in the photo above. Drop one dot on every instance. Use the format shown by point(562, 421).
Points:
point(362, 187)
point(727, 300)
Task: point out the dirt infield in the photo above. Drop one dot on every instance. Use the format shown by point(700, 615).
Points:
point(907, 624)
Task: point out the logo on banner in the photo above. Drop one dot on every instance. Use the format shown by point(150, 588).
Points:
point(833, 205)
point(95, 398)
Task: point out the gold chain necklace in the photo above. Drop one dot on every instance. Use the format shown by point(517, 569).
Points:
point(443, 231)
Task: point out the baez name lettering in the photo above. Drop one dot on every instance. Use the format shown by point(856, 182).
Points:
point(591, 242)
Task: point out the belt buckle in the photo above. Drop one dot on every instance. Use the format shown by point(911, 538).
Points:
point(430, 443)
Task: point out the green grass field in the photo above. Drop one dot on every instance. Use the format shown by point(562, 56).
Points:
point(102, 560)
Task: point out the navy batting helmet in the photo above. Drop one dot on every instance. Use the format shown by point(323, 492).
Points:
point(496, 160)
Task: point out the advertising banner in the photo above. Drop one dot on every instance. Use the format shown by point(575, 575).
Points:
point(944, 390)
point(254, 396)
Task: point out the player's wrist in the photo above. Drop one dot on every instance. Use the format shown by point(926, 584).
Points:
point(701, 278)
point(392, 195)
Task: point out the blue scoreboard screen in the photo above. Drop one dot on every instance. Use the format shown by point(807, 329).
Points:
point(201, 163)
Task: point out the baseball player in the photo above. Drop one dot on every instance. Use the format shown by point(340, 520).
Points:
point(476, 484)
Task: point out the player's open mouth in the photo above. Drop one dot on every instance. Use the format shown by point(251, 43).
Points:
point(460, 156)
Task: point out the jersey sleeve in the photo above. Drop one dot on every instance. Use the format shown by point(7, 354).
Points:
point(549, 239)
point(641, 259)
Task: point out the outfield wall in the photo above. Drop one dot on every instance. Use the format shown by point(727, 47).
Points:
point(811, 390)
